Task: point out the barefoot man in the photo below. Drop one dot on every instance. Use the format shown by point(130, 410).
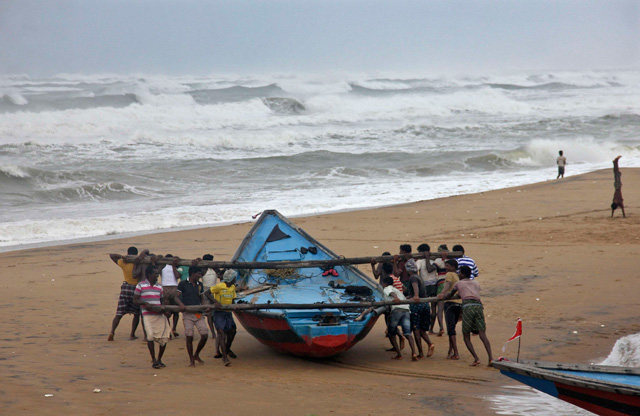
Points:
point(190, 292)
point(223, 294)
point(149, 293)
point(400, 316)
point(131, 273)
point(472, 313)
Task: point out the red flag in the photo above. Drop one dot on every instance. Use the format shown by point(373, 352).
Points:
point(517, 334)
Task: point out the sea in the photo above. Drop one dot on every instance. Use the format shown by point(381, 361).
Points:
point(89, 157)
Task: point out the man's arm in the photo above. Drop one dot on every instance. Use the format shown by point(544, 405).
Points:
point(115, 257)
point(137, 300)
point(138, 268)
point(178, 298)
point(446, 291)
point(374, 269)
point(430, 266)
point(415, 297)
point(396, 268)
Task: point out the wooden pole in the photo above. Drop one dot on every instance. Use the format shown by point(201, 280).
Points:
point(293, 264)
point(259, 306)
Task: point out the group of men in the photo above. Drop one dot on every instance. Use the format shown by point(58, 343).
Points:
point(143, 294)
point(452, 281)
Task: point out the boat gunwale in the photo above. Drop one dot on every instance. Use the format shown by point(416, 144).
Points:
point(374, 285)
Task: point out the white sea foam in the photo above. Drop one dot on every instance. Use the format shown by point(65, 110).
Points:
point(14, 171)
point(625, 353)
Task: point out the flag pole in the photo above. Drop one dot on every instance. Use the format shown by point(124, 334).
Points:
point(518, 357)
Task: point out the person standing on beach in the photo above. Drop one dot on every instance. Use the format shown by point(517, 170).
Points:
point(472, 313)
point(399, 263)
point(443, 250)
point(131, 273)
point(466, 261)
point(189, 294)
point(617, 184)
point(386, 271)
point(209, 280)
point(429, 274)
point(561, 161)
point(400, 316)
point(223, 294)
point(419, 312)
point(452, 307)
point(149, 293)
point(170, 278)
point(378, 272)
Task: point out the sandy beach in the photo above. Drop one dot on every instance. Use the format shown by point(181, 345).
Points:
point(548, 253)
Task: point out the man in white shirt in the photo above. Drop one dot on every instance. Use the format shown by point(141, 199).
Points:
point(400, 316)
point(170, 276)
point(428, 270)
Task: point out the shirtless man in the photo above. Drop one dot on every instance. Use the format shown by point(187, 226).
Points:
point(617, 184)
point(472, 313)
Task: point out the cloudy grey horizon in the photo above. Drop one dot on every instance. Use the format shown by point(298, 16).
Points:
point(44, 38)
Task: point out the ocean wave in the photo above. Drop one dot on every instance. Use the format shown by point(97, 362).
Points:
point(284, 105)
point(549, 86)
point(235, 93)
point(14, 172)
point(111, 191)
point(625, 352)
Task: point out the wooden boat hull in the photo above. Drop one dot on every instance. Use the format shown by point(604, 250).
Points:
point(603, 390)
point(306, 333)
point(273, 330)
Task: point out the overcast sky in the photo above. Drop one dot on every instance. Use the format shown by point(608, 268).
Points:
point(249, 36)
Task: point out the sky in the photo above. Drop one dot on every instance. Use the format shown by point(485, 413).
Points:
point(191, 37)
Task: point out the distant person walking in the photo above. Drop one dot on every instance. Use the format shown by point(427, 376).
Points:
point(617, 184)
point(561, 161)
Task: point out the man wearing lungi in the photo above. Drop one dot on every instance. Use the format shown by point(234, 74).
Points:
point(472, 313)
point(156, 324)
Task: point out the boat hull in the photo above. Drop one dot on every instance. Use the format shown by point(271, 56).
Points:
point(275, 331)
point(598, 389)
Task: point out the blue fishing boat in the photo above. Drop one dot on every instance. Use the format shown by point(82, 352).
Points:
point(310, 332)
point(603, 390)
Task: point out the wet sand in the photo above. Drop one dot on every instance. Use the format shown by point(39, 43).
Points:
point(548, 253)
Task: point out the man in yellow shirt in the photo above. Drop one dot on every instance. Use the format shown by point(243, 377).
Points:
point(223, 294)
point(131, 274)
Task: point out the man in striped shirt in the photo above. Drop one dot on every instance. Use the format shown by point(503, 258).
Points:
point(466, 261)
point(149, 293)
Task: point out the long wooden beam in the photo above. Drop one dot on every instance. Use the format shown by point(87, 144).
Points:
point(292, 264)
point(260, 306)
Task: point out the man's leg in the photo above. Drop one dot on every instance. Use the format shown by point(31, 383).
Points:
point(114, 325)
point(201, 344)
point(396, 348)
point(152, 351)
point(487, 345)
point(467, 342)
point(416, 334)
point(222, 340)
point(161, 353)
point(230, 335)
point(189, 341)
point(440, 314)
point(134, 326)
point(176, 316)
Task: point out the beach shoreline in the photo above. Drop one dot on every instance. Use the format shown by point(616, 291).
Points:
point(548, 253)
